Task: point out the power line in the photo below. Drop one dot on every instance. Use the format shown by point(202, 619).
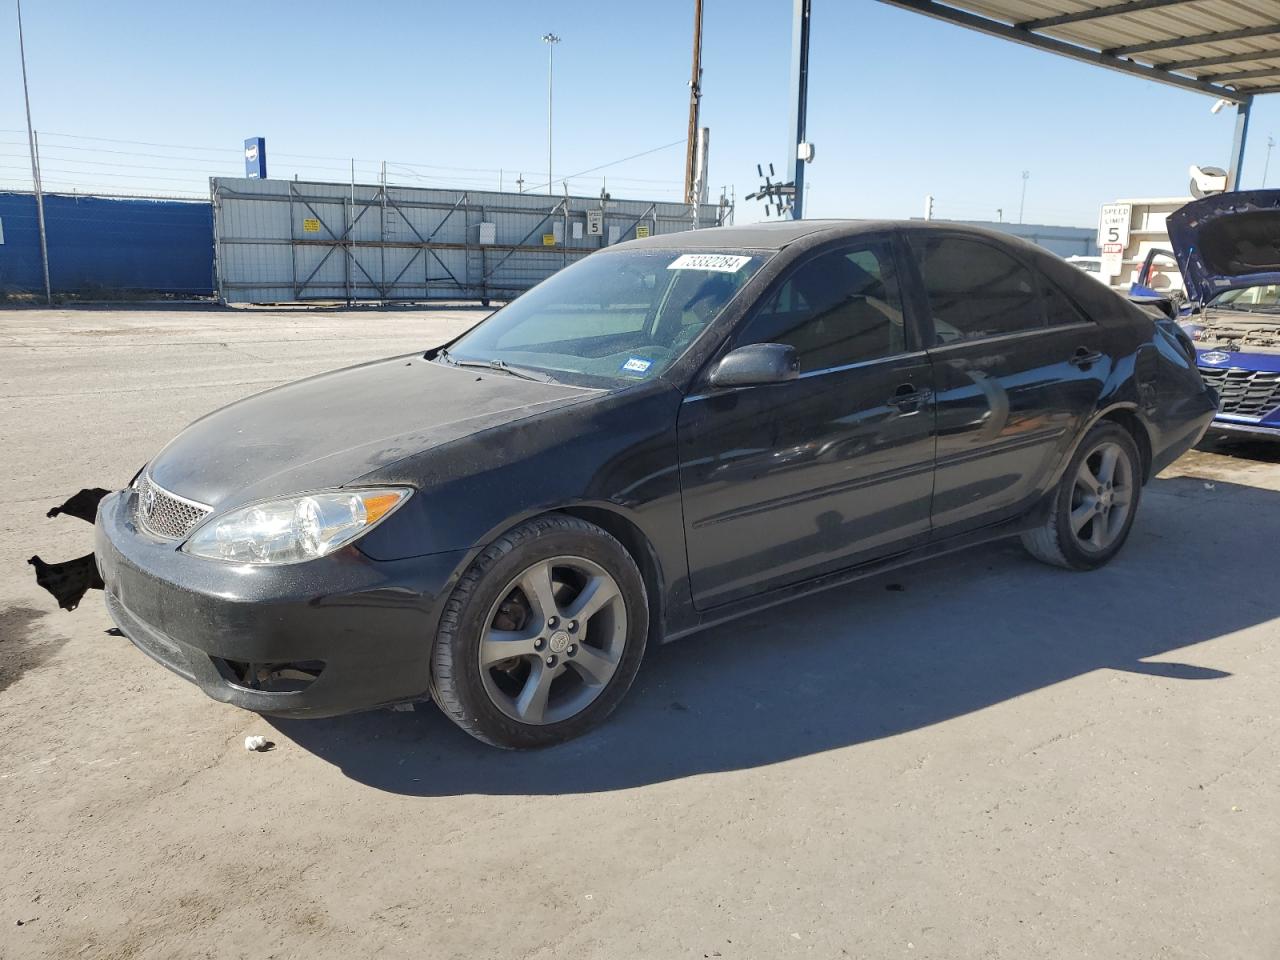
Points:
point(612, 163)
point(142, 143)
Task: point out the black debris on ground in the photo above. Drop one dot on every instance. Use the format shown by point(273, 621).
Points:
point(82, 506)
point(68, 581)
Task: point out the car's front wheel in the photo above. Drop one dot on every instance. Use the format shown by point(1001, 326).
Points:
point(1095, 502)
point(542, 636)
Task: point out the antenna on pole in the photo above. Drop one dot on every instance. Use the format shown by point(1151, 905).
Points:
point(695, 97)
point(774, 194)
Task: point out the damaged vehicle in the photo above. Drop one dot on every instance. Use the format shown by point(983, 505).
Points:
point(1228, 249)
point(668, 434)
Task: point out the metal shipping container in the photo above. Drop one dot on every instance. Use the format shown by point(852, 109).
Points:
point(289, 240)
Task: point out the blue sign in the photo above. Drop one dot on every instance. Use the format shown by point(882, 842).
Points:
point(255, 158)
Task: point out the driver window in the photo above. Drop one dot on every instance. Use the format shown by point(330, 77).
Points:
point(839, 308)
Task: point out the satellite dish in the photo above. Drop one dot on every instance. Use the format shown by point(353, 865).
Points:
point(1206, 181)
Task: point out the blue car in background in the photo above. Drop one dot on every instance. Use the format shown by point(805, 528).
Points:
point(1228, 249)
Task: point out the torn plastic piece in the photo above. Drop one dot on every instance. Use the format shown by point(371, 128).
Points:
point(82, 506)
point(68, 581)
point(257, 744)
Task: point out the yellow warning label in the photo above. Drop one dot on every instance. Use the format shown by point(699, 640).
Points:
point(548, 239)
point(642, 231)
point(310, 225)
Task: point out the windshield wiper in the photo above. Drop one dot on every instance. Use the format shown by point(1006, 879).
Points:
point(500, 365)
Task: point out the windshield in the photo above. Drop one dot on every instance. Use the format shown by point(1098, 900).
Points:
point(611, 317)
point(1265, 298)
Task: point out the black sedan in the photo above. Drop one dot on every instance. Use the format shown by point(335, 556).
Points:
point(668, 434)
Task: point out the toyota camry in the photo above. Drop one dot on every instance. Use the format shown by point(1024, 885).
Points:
point(670, 433)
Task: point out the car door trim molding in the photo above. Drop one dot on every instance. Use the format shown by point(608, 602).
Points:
point(1004, 446)
point(895, 357)
point(817, 493)
point(1015, 335)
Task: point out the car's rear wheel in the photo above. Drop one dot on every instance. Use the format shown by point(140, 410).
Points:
point(1095, 502)
point(542, 636)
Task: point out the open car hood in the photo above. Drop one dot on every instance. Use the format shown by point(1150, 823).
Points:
point(1227, 241)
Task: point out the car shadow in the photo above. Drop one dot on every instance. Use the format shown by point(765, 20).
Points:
point(1240, 448)
point(890, 654)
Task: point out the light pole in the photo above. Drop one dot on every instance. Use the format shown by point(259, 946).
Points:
point(550, 39)
point(1266, 164)
point(1026, 175)
point(37, 188)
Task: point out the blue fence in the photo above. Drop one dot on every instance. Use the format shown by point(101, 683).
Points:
point(105, 246)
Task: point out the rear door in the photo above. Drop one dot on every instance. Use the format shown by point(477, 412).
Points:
point(786, 481)
point(1017, 368)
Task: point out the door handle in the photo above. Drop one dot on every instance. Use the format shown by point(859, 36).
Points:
point(907, 399)
point(1084, 358)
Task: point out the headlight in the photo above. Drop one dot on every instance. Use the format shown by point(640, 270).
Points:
point(293, 529)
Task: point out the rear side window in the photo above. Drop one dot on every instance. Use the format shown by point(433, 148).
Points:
point(976, 290)
point(1059, 309)
point(841, 307)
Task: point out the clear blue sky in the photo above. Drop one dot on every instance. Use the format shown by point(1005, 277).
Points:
point(451, 93)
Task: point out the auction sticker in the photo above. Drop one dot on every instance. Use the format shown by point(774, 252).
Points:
point(715, 262)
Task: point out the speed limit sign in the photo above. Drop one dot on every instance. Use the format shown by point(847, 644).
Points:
point(1113, 236)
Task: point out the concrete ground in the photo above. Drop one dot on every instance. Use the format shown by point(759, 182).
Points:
point(978, 757)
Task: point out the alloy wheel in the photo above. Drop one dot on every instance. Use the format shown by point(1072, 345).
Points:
point(1102, 497)
point(553, 640)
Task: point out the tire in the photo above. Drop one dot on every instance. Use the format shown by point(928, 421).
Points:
point(542, 636)
point(1089, 520)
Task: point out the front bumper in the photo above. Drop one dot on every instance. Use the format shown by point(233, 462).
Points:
point(362, 628)
point(1243, 428)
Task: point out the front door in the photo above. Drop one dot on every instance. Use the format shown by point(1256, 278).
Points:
point(1017, 368)
point(786, 481)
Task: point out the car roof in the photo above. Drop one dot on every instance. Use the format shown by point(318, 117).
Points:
point(778, 234)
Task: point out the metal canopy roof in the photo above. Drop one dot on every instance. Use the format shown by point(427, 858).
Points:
point(1225, 48)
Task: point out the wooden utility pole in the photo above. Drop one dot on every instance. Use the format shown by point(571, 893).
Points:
point(695, 96)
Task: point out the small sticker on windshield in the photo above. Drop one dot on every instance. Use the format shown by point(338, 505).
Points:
point(715, 262)
point(637, 365)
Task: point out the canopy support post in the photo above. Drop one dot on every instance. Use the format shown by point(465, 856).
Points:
point(1237, 144)
point(799, 101)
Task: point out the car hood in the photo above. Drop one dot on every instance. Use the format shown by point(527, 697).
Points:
point(332, 429)
point(1227, 241)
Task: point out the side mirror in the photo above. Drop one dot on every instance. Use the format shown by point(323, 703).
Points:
point(756, 363)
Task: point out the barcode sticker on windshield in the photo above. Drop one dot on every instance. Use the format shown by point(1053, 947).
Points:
point(715, 262)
